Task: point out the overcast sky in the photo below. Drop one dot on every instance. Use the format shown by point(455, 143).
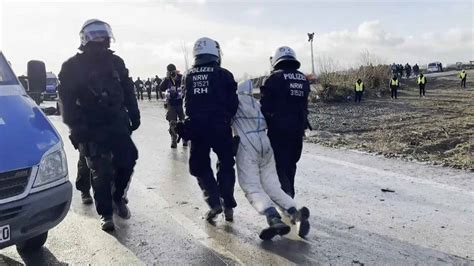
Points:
point(151, 34)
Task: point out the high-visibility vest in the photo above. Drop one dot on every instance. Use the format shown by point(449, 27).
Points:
point(359, 87)
point(421, 80)
point(462, 75)
point(394, 82)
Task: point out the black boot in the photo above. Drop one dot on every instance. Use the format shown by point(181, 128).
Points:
point(86, 197)
point(174, 145)
point(212, 214)
point(292, 213)
point(302, 216)
point(107, 223)
point(229, 214)
point(276, 226)
point(121, 209)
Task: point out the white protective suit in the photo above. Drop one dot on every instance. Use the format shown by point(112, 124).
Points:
point(256, 168)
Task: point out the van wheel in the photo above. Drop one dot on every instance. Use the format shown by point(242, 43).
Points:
point(33, 244)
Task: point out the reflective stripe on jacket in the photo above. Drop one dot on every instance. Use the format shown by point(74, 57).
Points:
point(421, 80)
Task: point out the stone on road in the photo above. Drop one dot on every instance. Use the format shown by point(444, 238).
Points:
point(428, 219)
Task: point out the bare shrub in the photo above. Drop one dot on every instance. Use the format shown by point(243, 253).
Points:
point(334, 85)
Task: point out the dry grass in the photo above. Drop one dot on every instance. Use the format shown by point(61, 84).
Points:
point(337, 86)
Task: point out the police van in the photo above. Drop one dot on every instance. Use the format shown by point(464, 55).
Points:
point(51, 91)
point(35, 193)
point(435, 67)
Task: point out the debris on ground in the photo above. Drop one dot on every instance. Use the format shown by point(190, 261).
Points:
point(387, 190)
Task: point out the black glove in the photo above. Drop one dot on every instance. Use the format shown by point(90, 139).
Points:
point(166, 105)
point(235, 144)
point(74, 141)
point(308, 125)
point(78, 134)
point(134, 124)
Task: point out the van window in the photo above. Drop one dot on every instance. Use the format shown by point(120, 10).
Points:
point(51, 81)
point(6, 74)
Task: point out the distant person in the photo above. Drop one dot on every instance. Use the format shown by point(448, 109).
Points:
point(157, 82)
point(400, 70)
point(463, 77)
point(408, 70)
point(148, 88)
point(358, 89)
point(139, 88)
point(174, 102)
point(421, 81)
point(394, 69)
point(416, 70)
point(394, 85)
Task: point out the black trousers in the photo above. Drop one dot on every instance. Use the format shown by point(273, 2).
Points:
point(149, 94)
point(463, 82)
point(358, 96)
point(287, 150)
point(220, 141)
point(422, 89)
point(111, 168)
point(173, 114)
point(83, 179)
point(394, 93)
point(140, 94)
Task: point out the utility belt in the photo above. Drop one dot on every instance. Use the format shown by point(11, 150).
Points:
point(201, 126)
point(288, 124)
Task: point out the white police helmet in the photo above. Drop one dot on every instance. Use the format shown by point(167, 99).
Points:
point(95, 30)
point(284, 53)
point(206, 50)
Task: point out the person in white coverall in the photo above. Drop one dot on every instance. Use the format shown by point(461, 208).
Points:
point(256, 168)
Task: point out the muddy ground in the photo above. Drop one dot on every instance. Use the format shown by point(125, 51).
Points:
point(437, 129)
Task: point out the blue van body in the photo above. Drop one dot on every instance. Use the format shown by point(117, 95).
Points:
point(35, 193)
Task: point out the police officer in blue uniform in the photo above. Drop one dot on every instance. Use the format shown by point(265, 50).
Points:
point(100, 109)
point(211, 102)
point(284, 100)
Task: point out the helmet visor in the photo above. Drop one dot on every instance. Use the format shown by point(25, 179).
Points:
point(96, 32)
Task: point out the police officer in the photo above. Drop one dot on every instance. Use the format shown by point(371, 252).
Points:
point(139, 88)
point(174, 101)
point(284, 102)
point(421, 81)
point(463, 77)
point(394, 84)
point(100, 110)
point(211, 102)
point(358, 89)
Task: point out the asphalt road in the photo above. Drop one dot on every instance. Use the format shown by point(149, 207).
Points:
point(429, 219)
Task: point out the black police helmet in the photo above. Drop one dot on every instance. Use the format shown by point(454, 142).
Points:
point(171, 68)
